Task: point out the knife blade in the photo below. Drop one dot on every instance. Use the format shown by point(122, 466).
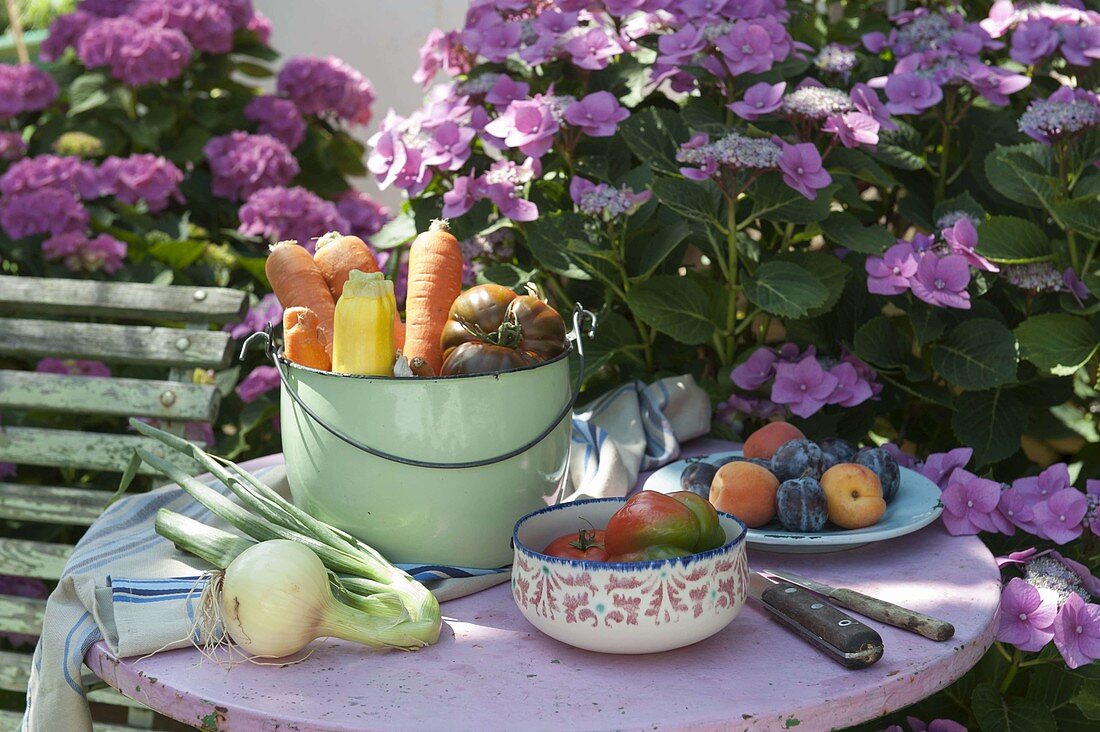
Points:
point(874, 608)
point(843, 638)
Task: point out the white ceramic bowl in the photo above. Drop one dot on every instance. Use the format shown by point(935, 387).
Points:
point(640, 607)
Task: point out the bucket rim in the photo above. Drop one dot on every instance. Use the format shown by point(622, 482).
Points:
point(564, 355)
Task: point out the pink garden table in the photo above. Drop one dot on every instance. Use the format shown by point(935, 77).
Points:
point(492, 670)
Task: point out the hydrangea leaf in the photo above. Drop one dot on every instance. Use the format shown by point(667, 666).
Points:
point(548, 239)
point(697, 201)
point(774, 200)
point(995, 713)
point(881, 344)
point(901, 148)
point(844, 229)
point(785, 289)
point(963, 202)
point(1020, 174)
point(654, 135)
point(1081, 214)
point(1057, 342)
point(676, 306)
point(979, 353)
point(1013, 240)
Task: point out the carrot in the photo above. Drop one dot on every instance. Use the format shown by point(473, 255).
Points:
point(298, 282)
point(303, 342)
point(435, 280)
point(337, 255)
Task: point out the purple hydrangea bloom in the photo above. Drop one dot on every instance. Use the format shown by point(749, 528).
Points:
point(593, 49)
point(51, 171)
point(243, 164)
point(1080, 43)
point(1060, 517)
point(1027, 616)
point(802, 168)
point(962, 239)
point(24, 88)
point(909, 93)
point(1045, 484)
point(942, 281)
point(64, 33)
point(993, 83)
point(1016, 509)
point(394, 161)
point(936, 725)
point(441, 51)
point(327, 86)
point(968, 502)
point(503, 185)
point(72, 367)
point(747, 48)
point(1077, 632)
point(108, 8)
point(259, 381)
point(759, 99)
point(902, 458)
point(853, 128)
point(136, 54)
point(365, 215)
point(814, 101)
point(804, 387)
point(1064, 113)
point(1074, 285)
point(267, 310)
point(681, 46)
point(596, 115)
point(507, 90)
point(12, 146)
point(466, 190)
point(280, 214)
point(529, 125)
point(43, 211)
point(260, 24)
point(762, 409)
point(277, 117)
point(604, 200)
point(939, 466)
point(205, 22)
point(866, 100)
point(449, 146)
point(851, 389)
point(80, 254)
point(1092, 517)
point(144, 177)
point(874, 42)
point(1033, 41)
point(757, 370)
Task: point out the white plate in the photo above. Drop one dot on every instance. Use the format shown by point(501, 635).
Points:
point(916, 505)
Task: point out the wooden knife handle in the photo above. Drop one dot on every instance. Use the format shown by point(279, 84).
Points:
point(842, 637)
point(891, 614)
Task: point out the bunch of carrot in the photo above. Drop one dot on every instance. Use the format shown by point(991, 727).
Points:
point(309, 286)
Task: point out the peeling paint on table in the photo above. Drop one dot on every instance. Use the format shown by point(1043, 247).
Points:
point(492, 670)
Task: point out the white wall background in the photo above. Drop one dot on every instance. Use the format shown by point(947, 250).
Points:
point(379, 37)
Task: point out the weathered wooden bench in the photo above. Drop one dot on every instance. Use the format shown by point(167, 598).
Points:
point(163, 329)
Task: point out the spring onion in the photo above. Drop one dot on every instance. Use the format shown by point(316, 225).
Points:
point(266, 606)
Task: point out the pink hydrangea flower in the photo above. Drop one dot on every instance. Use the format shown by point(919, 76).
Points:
point(1016, 510)
point(1027, 616)
point(365, 215)
point(277, 117)
point(43, 211)
point(136, 54)
point(757, 370)
point(804, 387)
point(327, 86)
point(909, 93)
point(866, 100)
point(259, 381)
point(206, 23)
point(962, 239)
point(1077, 632)
point(1045, 484)
point(596, 115)
point(267, 310)
point(852, 388)
point(1059, 518)
point(144, 177)
point(968, 502)
point(80, 254)
point(1033, 41)
point(12, 146)
point(1092, 518)
point(466, 190)
point(279, 214)
point(746, 48)
point(892, 273)
point(243, 164)
point(24, 88)
point(759, 99)
point(853, 129)
point(802, 168)
point(942, 281)
point(507, 90)
point(528, 125)
point(593, 49)
point(938, 466)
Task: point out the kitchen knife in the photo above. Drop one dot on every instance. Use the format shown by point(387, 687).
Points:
point(871, 607)
point(843, 638)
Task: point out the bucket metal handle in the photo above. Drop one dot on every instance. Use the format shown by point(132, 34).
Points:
point(584, 324)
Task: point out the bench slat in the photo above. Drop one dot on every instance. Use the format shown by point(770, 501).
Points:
point(21, 614)
point(75, 449)
point(10, 722)
point(137, 344)
point(46, 296)
point(15, 672)
point(114, 396)
point(51, 504)
point(39, 559)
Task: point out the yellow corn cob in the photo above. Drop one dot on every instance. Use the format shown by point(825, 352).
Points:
point(363, 328)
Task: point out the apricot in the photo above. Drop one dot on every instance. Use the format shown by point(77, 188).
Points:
point(853, 496)
point(745, 490)
point(765, 441)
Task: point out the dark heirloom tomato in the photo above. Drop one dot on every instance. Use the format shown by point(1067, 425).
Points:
point(494, 317)
point(485, 358)
point(583, 544)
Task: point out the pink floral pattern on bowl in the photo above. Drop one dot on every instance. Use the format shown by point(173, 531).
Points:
point(625, 608)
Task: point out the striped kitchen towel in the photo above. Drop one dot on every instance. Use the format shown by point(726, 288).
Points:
point(128, 586)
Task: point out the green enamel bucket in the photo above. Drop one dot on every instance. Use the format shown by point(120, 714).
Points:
point(429, 470)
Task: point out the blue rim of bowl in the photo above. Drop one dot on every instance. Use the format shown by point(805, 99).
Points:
point(651, 564)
